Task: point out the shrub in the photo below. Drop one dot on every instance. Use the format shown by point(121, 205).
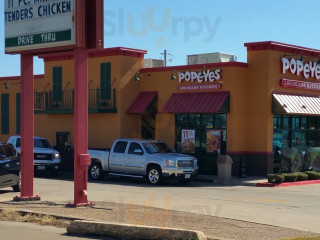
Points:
point(312, 175)
point(301, 176)
point(290, 177)
point(275, 178)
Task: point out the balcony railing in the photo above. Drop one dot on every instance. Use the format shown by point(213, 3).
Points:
point(99, 100)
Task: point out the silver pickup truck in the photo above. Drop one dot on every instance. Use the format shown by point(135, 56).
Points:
point(142, 158)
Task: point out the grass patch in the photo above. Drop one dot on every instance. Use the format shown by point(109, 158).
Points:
point(16, 216)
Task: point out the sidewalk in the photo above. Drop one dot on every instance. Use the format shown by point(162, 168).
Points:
point(234, 181)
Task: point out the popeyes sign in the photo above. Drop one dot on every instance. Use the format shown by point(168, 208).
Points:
point(298, 68)
point(200, 77)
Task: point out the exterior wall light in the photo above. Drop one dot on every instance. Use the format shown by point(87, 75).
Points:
point(301, 58)
point(202, 71)
point(173, 77)
point(138, 75)
point(7, 84)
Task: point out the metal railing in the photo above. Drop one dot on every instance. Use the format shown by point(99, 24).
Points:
point(98, 99)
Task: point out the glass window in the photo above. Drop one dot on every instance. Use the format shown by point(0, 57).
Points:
point(134, 146)
point(285, 140)
point(207, 120)
point(1, 150)
point(120, 147)
point(220, 121)
point(194, 121)
point(298, 139)
point(10, 152)
point(157, 147)
point(277, 139)
point(200, 123)
point(42, 143)
point(295, 122)
point(313, 122)
point(18, 142)
point(285, 122)
point(182, 120)
point(304, 123)
point(277, 121)
point(314, 138)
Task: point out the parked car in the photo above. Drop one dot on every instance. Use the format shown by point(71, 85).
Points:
point(9, 168)
point(142, 158)
point(45, 157)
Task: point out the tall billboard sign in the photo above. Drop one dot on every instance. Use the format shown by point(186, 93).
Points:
point(39, 24)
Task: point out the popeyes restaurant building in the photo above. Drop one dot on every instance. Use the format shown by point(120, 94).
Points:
point(263, 113)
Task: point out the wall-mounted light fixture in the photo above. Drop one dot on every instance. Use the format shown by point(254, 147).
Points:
point(203, 71)
point(7, 84)
point(302, 58)
point(138, 75)
point(173, 77)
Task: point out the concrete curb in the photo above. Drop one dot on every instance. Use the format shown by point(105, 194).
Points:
point(288, 184)
point(132, 231)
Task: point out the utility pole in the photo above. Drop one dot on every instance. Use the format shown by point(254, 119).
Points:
point(165, 57)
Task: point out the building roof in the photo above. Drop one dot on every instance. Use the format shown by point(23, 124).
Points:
point(282, 47)
point(68, 55)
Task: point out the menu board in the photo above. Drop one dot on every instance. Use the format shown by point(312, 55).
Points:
point(188, 141)
point(213, 141)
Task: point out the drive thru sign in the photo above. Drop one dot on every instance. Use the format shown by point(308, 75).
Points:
point(36, 24)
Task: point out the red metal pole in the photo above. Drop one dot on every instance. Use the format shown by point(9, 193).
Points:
point(27, 129)
point(81, 157)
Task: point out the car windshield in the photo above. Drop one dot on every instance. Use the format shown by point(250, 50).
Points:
point(41, 143)
point(157, 147)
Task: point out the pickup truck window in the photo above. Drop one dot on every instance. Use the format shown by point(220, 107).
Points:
point(42, 143)
point(157, 147)
point(134, 146)
point(1, 151)
point(120, 147)
point(9, 151)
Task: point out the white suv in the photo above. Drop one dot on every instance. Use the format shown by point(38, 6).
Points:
point(45, 157)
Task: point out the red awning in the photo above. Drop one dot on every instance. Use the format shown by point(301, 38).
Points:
point(200, 102)
point(142, 102)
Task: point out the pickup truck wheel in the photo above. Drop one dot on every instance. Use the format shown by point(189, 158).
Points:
point(154, 175)
point(17, 187)
point(95, 171)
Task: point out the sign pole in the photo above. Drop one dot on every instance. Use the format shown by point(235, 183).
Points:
point(81, 156)
point(27, 129)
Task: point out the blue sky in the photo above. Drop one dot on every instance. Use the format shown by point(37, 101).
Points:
point(184, 27)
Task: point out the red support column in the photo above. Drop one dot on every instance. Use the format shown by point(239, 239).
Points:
point(27, 129)
point(81, 157)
